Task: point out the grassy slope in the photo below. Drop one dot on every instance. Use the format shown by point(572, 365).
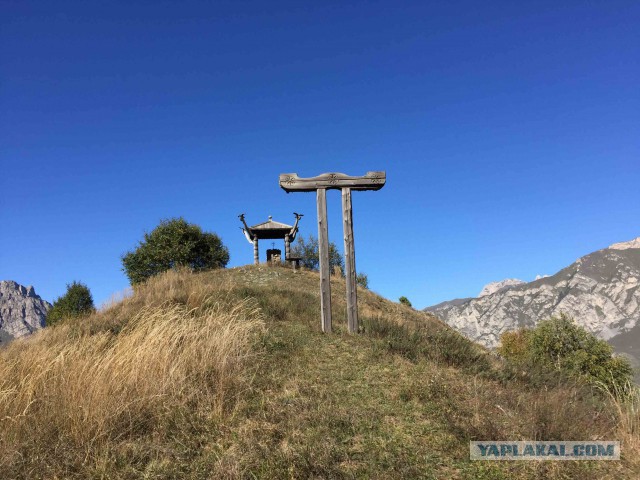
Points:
point(390, 403)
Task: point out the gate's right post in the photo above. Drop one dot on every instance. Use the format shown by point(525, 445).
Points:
point(323, 251)
point(350, 261)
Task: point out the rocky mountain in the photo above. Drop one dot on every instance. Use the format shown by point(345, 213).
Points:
point(635, 243)
point(21, 310)
point(601, 291)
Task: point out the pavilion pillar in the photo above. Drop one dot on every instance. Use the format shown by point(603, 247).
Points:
point(256, 252)
point(287, 248)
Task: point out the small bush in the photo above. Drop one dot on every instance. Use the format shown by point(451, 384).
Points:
point(363, 280)
point(76, 302)
point(405, 301)
point(514, 345)
point(559, 344)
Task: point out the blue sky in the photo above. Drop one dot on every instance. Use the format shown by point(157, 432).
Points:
point(509, 131)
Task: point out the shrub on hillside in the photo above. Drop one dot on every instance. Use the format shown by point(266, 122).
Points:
point(405, 301)
point(515, 345)
point(174, 243)
point(559, 344)
point(363, 280)
point(76, 302)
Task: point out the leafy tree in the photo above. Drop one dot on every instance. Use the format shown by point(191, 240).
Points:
point(77, 302)
point(514, 345)
point(363, 280)
point(171, 244)
point(560, 344)
point(405, 301)
point(308, 251)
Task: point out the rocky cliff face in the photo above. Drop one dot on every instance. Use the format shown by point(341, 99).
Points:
point(635, 243)
point(21, 310)
point(601, 291)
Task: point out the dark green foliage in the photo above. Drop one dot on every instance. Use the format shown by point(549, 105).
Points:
point(76, 302)
point(405, 301)
point(561, 345)
point(174, 243)
point(309, 253)
point(363, 280)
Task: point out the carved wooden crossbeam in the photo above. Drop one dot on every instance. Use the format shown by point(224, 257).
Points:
point(290, 182)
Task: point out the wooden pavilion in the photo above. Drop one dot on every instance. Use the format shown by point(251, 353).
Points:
point(270, 230)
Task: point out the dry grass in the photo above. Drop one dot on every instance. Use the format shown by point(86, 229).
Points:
point(625, 401)
point(67, 392)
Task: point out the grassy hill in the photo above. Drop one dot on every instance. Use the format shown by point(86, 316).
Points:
point(225, 374)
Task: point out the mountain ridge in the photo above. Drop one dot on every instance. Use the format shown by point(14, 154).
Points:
point(600, 290)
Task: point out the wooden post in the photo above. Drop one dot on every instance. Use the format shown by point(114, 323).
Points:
point(350, 261)
point(323, 251)
point(256, 254)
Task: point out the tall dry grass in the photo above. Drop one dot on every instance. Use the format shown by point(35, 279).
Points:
point(78, 394)
point(625, 400)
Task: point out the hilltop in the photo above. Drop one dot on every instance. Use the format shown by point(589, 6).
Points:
point(225, 374)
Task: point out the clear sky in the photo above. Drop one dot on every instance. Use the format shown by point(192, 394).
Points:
point(509, 131)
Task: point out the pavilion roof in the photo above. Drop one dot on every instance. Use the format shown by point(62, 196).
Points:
point(271, 225)
point(270, 229)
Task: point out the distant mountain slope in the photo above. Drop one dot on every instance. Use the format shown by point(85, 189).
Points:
point(600, 291)
point(21, 310)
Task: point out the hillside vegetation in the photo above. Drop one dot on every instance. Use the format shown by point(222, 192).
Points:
point(225, 374)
